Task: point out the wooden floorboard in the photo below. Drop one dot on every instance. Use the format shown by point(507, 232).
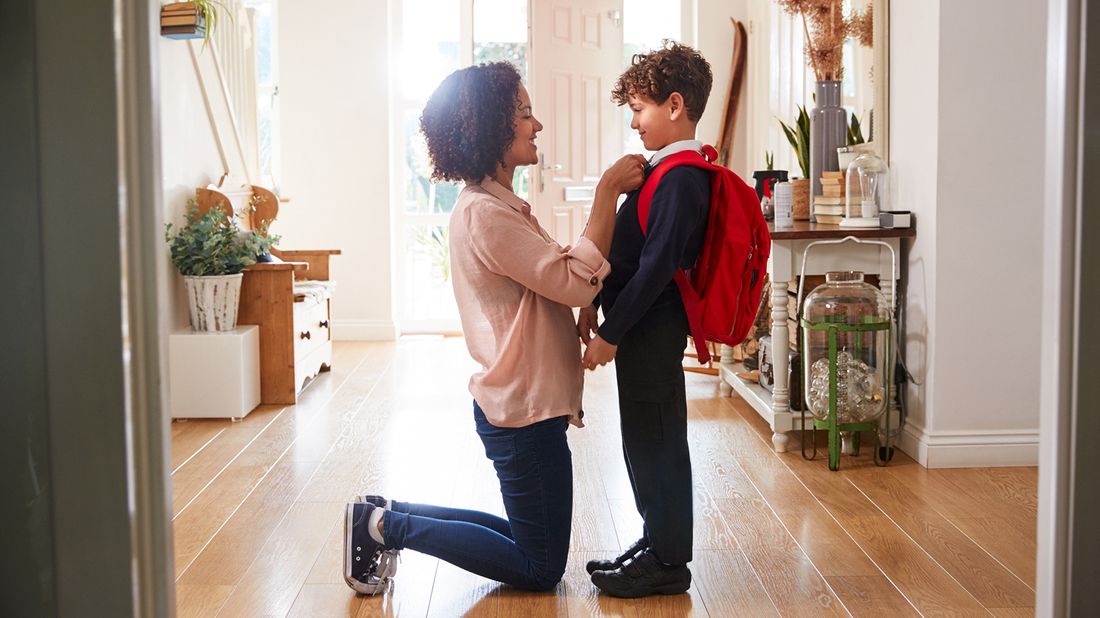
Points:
point(259, 508)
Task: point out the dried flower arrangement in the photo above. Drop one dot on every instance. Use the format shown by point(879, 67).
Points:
point(826, 28)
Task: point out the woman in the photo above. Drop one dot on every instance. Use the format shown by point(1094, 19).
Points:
point(514, 286)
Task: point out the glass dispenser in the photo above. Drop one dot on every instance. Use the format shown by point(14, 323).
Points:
point(848, 357)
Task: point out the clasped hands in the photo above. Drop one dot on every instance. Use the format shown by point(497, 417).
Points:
point(597, 352)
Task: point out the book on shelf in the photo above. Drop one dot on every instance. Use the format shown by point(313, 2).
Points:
point(820, 209)
point(836, 174)
point(178, 6)
point(829, 219)
point(829, 200)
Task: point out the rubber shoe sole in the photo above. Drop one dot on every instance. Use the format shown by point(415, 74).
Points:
point(378, 581)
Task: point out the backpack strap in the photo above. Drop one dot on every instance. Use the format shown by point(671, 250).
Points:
point(692, 306)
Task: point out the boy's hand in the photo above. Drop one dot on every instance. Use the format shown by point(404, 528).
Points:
point(587, 323)
point(599, 353)
point(625, 175)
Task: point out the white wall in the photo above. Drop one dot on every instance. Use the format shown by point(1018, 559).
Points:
point(914, 150)
point(333, 57)
point(189, 154)
point(708, 29)
point(974, 272)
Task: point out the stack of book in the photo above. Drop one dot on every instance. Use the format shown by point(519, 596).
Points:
point(181, 20)
point(829, 206)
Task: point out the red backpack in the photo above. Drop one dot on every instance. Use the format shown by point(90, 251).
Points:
point(722, 292)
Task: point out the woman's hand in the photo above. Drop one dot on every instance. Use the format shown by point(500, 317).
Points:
point(587, 323)
point(599, 353)
point(625, 175)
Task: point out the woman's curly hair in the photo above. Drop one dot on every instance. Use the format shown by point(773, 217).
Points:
point(672, 68)
point(469, 121)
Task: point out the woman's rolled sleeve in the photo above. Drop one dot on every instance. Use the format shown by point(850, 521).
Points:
point(589, 263)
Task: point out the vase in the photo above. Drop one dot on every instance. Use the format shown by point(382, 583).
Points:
point(213, 302)
point(828, 131)
point(800, 199)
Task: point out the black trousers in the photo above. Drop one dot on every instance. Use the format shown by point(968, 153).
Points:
point(653, 417)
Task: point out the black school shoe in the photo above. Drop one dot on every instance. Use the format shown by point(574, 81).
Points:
point(610, 565)
point(367, 568)
point(642, 577)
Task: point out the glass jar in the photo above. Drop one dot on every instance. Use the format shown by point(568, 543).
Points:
point(846, 349)
point(865, 190)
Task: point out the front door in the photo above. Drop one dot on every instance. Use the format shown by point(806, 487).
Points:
point(576, 55)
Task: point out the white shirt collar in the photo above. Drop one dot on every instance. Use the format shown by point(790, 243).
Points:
point(674, 147)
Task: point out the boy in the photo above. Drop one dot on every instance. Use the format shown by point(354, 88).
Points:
point(645, 327)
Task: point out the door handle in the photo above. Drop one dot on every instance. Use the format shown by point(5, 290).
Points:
point(543, 166)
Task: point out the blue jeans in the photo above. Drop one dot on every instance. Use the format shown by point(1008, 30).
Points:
point(529, 549)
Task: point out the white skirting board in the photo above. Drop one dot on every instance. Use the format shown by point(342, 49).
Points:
point(971, 449)
point(363, 330)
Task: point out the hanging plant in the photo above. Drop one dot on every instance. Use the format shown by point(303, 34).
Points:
point(192, 20)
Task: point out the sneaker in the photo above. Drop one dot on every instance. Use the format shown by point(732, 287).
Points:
point(610, 565)
point(643, 576)
point(387, 562)
point(378, 501)
point(363, 568)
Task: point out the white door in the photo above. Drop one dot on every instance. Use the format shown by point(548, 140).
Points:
point(576, 55)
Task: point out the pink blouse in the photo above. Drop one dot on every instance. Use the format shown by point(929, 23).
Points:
point(514, 286)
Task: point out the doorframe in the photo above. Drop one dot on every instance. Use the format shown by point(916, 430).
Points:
point(1063, 239)
point(145, 328)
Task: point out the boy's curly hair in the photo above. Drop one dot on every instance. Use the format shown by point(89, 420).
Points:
point(469, 121)
point(672, 68)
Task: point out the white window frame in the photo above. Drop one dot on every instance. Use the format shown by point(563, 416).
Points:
point(401, 220)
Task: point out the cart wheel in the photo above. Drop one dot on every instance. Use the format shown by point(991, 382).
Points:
point(885, 453)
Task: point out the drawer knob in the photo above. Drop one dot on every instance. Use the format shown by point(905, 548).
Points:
point(304, 335)
point(323, 324)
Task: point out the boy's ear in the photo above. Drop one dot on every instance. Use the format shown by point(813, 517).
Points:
point(676, 107)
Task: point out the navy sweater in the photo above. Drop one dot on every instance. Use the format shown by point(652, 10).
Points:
point(640, 285)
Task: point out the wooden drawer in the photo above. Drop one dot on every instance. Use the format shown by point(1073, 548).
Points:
point(311, 329)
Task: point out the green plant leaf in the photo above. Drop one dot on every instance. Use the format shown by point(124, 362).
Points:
point(213, 243)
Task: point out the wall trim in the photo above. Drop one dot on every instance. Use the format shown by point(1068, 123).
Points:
point(364, 330)
point(969, 449)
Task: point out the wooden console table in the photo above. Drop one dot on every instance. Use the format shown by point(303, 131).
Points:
point(784, 266)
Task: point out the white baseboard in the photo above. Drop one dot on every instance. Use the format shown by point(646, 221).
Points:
point(363, 330)
point(970, 449)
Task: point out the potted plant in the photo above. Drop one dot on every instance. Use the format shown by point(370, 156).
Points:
point(768, 176)
point(211, 251)
point(825, 28)
point(190, 20)
point(799, 138)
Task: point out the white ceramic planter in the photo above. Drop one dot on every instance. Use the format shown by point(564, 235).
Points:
point(213, 302)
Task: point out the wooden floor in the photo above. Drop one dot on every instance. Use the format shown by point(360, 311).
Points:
point(258, 507)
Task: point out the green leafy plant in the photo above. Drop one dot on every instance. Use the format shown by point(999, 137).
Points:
point(799, 138)
point(209, 10)
point(213, 243)
point(855, 132)
point(769, 160)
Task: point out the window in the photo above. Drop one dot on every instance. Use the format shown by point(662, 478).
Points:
point(438, 37)
point(262, 13)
